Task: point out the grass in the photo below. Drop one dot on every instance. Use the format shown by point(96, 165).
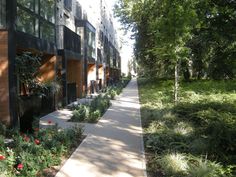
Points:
point(195, 137)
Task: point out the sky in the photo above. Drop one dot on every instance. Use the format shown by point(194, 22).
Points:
point(127, 48)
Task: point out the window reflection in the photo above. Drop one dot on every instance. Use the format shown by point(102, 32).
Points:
point(47, 10)
point(47, 31)
point(30, 4)
point(26, 22)
point(2, 13)
point(30, 18)
point(91, 43)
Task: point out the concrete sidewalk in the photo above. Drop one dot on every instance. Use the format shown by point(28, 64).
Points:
point(114, 146)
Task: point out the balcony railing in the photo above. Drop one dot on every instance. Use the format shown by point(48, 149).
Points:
point(72, 41)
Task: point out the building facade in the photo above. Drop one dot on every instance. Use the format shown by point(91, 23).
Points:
point(76, 40)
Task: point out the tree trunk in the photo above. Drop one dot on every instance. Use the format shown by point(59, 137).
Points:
point(176, 82)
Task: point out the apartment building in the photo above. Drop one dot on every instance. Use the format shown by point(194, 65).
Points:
point(75, 39)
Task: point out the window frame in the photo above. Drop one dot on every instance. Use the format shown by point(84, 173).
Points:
point(39, 19)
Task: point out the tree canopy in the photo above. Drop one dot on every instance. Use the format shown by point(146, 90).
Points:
point(200, 35)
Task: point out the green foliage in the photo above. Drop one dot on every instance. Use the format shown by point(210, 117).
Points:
point(91, 113)
point(213, 44)
point(202, 124)
point(204, 168)
point(112, 93)
point(80, 113)
point(174, 164)
point(2, 129)
point(100, 103)
point(98, 106)
point(27, 66)
point(166, 31)
point(94, 116)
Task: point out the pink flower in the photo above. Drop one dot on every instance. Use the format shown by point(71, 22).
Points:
point(20, 166)
point(26, 138)
point(2, 157)
point(36, 141)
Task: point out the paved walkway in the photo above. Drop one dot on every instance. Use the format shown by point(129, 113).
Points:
point(114, 146)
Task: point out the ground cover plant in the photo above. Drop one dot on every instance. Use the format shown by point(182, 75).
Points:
point(194, 138)
point(29, 155)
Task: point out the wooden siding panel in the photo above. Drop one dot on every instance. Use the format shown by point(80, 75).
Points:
point(100, 73)
point(4, 81)
point(47, 71)
point(74, 75)
point(91, 75)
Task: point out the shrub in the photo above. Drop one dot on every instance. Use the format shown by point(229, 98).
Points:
point(203, 168)
point(81, 113)
point(100, 103)
point(2, 129)
point(93, 116)
point(97, 106)
point(112, 93)
point(217, 122)
point(174, 164)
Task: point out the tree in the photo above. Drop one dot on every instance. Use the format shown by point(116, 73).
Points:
point(213, 44)
point(162, 29)
point(171, 33)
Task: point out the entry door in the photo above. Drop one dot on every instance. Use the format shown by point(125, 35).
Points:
point(71, 92)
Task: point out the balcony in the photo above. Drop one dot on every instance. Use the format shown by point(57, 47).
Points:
point(89, 37)
point(68, 42)
point(27, 41)
point(72, 41)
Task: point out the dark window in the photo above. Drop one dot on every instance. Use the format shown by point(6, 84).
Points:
point(26, 22)
point(2, 13)
point(47, 10)
point(91, 43)
point(99, 55)
point(72, 40)
point(29, 4)
point(101, 36)
point(111, 56)
point(68, 4)
point(78, 11)
point(47, 31)
point(35, 21)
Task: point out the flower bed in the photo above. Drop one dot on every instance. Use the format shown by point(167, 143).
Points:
point(92, 112)
point(32, 154)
